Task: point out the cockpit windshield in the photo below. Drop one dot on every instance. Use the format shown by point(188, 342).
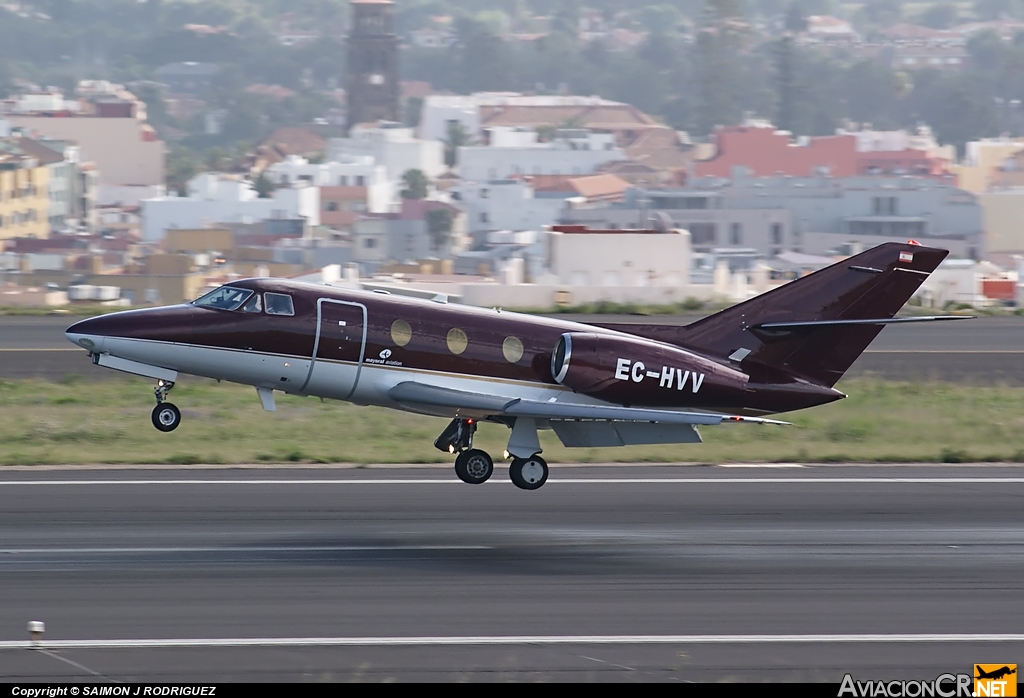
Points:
point(224, 298)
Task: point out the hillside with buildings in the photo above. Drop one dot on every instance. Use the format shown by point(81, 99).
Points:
point(418, 164)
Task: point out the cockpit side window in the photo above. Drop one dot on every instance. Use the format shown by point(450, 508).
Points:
point(278, 304)
point(224, 298)
point(253, 305)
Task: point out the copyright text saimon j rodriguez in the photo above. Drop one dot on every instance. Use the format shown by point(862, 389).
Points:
point(57, 691)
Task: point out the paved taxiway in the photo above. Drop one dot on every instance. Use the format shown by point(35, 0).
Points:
point(794, 565)
point(984, 350)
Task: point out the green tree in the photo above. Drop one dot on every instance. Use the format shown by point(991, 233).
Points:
point(182, 165)
point(457, 137)
point(718, 46)
point(416, 184)
point(940, 16)
point(796, 19)
point(486, 61)
point(439, 227)
point(413, 110)
point(264, 186)
point(785, 83)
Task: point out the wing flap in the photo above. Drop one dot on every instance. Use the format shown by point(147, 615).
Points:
point(574, 433)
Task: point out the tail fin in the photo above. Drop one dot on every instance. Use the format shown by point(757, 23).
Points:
point(803, 328)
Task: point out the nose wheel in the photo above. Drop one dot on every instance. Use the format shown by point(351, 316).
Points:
point(528, 473)
point(166, 417)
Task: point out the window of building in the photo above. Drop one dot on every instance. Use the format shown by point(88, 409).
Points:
point(703, 233)
point(278, 304)
point(902, 229)
point(735, 234)
point(360, 181)
point(343, 181)
point(369, 243)
point(331, 206)
point(884, 206)
point(485, 217)
point(484, 193)
point(776, 233)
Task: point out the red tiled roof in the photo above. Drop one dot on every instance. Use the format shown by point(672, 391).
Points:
point(416, 209)
point(766, 152)
point(599, 186)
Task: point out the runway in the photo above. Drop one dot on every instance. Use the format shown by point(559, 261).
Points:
point(984, 351)
point(690, 573)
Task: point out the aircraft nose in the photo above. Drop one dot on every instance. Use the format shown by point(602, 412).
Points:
point(87, 333)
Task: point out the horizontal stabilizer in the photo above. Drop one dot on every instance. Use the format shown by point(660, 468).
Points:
point(871, 321)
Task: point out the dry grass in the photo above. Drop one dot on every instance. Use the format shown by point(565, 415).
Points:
point(109, 422)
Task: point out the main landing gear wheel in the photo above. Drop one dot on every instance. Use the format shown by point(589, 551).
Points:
point(474, 466)
point(166, 417)
point(528, 473)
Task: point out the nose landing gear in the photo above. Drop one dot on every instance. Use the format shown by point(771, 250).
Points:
point(472, 465)
point(528, 473)
point(166, 417)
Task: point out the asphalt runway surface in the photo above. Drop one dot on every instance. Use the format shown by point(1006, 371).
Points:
point(982, 351)
point(689, 573)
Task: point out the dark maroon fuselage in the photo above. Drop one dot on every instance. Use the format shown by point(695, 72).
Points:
point(488, 334)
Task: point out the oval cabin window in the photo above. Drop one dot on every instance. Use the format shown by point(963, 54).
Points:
point(401, 332)
point(457, 340)
point(512, 348)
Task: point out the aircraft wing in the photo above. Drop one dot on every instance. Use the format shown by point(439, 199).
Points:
point(414, 393)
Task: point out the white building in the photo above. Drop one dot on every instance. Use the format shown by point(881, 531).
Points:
point(516, 151)
point(350, 171)
point(504, 204)
point(484, 109)
point(959, 281)
point(216, 198)
point(922, 138)
point(392, 145)
point(620, 258)
point(106, 121)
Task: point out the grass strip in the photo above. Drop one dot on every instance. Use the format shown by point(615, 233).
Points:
point(79, 421)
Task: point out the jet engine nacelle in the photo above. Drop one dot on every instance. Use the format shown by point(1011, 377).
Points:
point(635, 371)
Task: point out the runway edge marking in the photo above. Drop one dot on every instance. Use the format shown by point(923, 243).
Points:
point(560, 481)
point(511, 640)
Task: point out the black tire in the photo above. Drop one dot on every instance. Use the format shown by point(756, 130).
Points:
point(166, 417)
point(474, 466)
point(528, 473)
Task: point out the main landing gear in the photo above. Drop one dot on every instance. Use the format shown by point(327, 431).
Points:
point(475, 466)
point(472, 465)
point(166, 417)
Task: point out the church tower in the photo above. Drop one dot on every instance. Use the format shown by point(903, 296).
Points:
point(371, 89)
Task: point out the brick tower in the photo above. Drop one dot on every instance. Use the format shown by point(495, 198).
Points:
point(372, 85)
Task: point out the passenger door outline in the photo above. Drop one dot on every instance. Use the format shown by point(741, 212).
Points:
point(319, 333)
